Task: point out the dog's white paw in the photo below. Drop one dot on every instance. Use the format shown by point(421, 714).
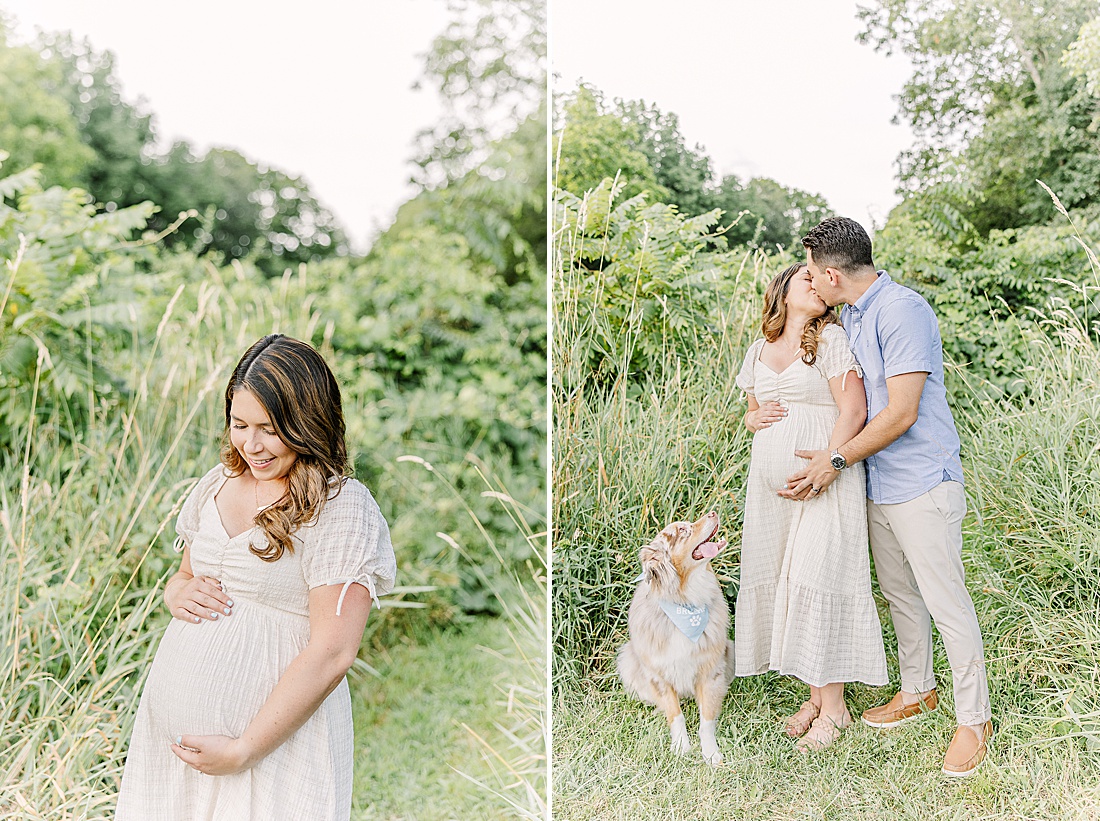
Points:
point(709, 743)
point(681, 745)
point(681, 741)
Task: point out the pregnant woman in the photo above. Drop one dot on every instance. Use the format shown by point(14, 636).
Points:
point(246, 712)
point(804, 607)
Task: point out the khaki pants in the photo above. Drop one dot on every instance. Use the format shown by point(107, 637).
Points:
point(917, 547)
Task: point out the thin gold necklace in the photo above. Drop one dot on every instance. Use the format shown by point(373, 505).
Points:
point(792, 348)
point(256, 496)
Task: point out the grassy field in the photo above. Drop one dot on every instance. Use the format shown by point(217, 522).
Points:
point(428, 727)
point(612, 757)
point(611, 761)
point(636, 449)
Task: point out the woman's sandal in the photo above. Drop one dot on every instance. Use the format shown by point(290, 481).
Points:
point(801, 721)
point(822, 733)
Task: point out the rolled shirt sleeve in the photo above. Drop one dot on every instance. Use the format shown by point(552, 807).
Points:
point(909, 337)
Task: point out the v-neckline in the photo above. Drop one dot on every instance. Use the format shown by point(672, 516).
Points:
point(218, 513)
point(760, 359)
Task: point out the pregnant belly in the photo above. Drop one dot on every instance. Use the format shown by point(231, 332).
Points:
point(212, 678)
point(773, 448)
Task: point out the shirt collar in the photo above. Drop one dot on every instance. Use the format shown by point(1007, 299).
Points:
point(864, 302)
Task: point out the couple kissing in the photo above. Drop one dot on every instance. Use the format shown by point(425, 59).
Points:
point(822, 484)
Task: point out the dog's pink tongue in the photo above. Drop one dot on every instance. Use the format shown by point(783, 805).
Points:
point(708, 550)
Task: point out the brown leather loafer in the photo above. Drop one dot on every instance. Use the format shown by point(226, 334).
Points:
point(966, 751)
point(895, 712)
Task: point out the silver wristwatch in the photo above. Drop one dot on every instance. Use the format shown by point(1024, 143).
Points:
point(837, 461)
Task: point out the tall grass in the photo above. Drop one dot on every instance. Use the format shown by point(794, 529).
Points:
point(85, 524)
point(633, 449)
point(79, 524)
point(519, 763)
point(636, 450)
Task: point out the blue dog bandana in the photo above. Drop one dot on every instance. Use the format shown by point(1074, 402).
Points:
point(690, 619)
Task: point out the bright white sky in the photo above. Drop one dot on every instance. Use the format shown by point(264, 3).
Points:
point(320, 88)
point(772, 88)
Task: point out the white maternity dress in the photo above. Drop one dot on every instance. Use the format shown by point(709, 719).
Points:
point(804, 607)
point(211, 678)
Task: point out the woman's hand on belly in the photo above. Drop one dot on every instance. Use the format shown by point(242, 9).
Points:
point(197, 598)
point(212, 754)
point(765, 416)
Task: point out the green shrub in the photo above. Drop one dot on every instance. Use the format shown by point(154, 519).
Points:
point(639, 283)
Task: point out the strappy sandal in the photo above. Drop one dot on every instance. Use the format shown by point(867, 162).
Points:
point(822, 733)
point(798, 724)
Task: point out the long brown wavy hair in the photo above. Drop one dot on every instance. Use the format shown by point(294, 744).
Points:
point(296, 388)
point(775, 314)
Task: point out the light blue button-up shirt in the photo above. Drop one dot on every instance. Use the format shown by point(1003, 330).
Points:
point(892, 330)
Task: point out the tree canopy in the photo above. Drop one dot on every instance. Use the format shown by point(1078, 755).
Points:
point(994, 104)
point(62, 106)
point(643, 146)
point(489, 66)
point(482, 168)
point(37, 125)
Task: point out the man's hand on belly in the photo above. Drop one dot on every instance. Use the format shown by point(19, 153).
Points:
point(818, 473)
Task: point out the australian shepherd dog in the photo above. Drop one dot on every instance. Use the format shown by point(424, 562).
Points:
point(679, 632)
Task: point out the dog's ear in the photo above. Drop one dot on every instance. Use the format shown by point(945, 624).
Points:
point(655, 557)
point(655, 551)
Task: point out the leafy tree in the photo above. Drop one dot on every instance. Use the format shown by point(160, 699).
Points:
point(63, 106)
point(489, 67)
point(764, 214)
point(120, 135)
point(683, 172)
point(1017, 275)
point(635, 140)
point(644, 147)
point(1082, 58)
point(36, 126)
point(992, 104)
point(594, 145)
point(498, 208)
point(246, 209)
point(482, 170)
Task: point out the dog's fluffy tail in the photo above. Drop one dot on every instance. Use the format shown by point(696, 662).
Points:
point(730, 661)
point(633, 677)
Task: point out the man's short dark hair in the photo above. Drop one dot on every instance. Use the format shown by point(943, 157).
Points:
point(839, 242)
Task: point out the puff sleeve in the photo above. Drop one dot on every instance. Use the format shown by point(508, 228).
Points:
point(350, 543)
point(834, 355)
point(187, 523)
point(746, 379)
